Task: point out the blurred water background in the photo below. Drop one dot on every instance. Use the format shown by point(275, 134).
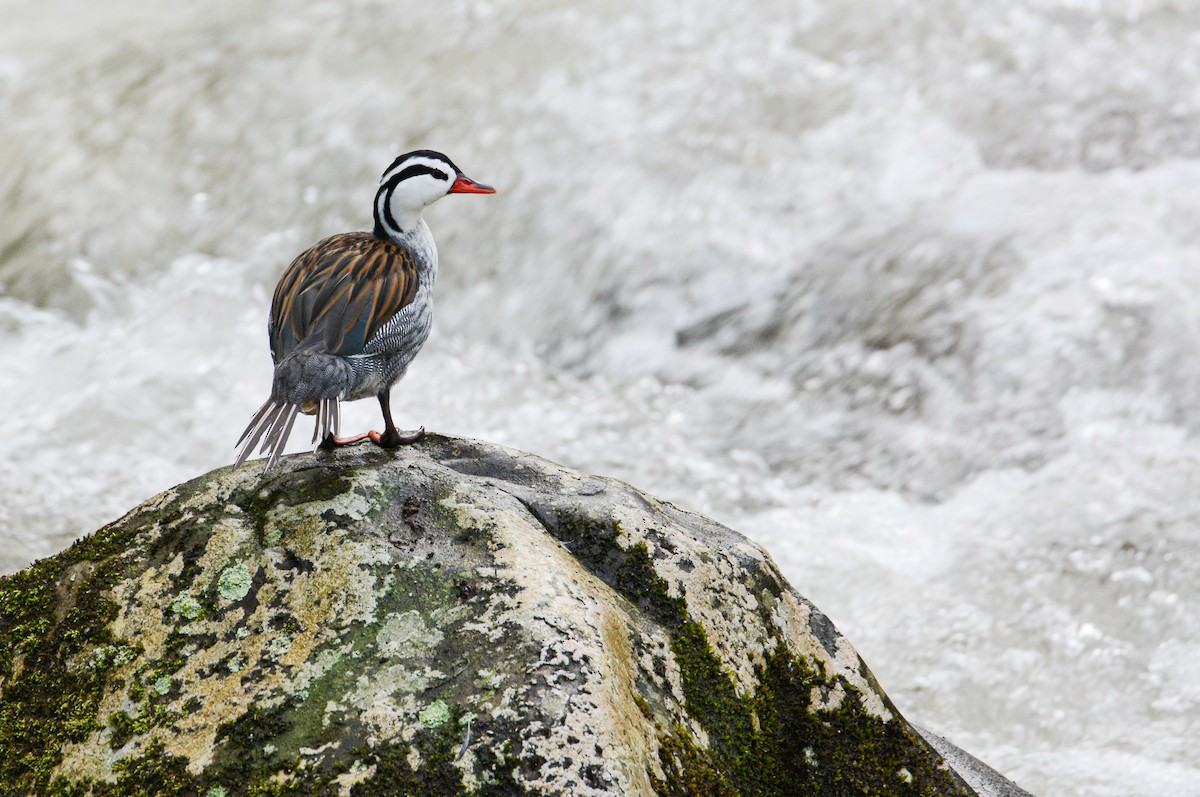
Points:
point(909, 292)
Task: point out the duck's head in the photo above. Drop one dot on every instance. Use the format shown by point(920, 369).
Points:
point(414, 181)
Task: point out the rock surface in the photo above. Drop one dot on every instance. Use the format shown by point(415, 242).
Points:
point(451, 618)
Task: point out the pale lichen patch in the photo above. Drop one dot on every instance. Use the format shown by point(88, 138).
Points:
point(186, 606)
point(791, 618)
point(315, 667)
point(826, 698)
point(234, 582)
point(435, 714)
point(358, 502)
point(230, 536)
point(279, 646)
point(406, 635)
point(850, 667)
point(358, 773)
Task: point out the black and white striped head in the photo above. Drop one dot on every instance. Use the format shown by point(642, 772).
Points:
point(414, 181)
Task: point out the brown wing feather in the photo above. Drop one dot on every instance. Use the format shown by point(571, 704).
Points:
point(336, 295)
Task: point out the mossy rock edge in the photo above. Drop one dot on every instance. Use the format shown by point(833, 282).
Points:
point(451, 618)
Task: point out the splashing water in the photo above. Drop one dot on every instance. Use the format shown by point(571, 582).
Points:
point(906, 292)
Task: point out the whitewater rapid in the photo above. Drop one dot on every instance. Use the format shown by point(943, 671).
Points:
point(907, 292)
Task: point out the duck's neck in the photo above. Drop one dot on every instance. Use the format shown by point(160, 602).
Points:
point(418, 240)
point(404, 227)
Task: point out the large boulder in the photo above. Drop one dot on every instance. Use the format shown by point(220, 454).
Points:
point(451, 618)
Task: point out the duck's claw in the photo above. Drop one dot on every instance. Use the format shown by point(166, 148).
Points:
point(394, 437)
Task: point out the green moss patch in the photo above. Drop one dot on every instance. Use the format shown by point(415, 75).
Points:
point(56, 654)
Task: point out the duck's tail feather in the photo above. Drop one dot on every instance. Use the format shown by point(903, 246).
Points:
point(305, 381)
point(277, 436)
point(272, 424)
point(328, 415)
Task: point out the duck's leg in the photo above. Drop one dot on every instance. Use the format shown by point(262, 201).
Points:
point(391, 436)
